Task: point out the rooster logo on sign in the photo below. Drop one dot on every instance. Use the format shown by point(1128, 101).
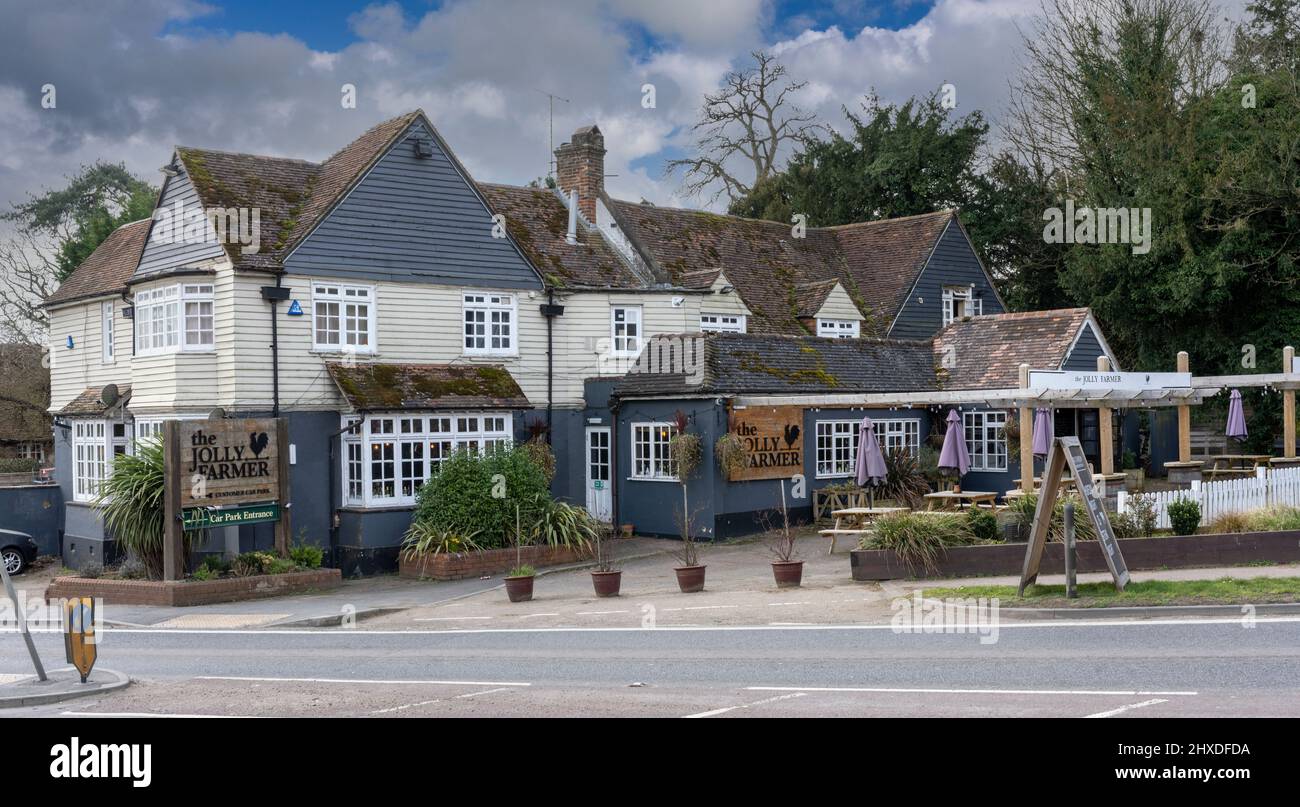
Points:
point(257, 441)
point(791, 434)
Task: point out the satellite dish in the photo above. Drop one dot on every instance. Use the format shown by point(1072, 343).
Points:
point(217, 413)
point(109, 394)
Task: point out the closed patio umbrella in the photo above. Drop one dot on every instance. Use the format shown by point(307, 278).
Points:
point(870, 470)
point(1042, 431)
point(1236, 417)
point(953, 456)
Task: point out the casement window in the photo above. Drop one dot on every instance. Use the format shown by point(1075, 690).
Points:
point(722, 323)
point(106, 332)
point(388, 458)
point(652, 451)
point(625, 330)
point(31, 451)
point(837, 443)
point(343, 318)
point(171, 318)
point(986, 440)
point(490, 324)
point(838, 328)
point(90, 447)
point(152, 428)
point(960, 302)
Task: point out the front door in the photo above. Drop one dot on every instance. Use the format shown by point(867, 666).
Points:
point(599, 497)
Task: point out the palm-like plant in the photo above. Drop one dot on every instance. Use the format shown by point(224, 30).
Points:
point(131, 503)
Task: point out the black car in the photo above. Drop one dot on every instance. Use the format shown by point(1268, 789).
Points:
point(17, 550)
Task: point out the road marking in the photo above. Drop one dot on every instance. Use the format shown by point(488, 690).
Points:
point(701, 607)
point(155, 714)
point(796, 602)
point(447, 618)
point(1004, 626)
point(13, 678)
point(746, 705)
point(484, 692)
point(359, 681)
point(404, 706)
point(790, 624)
point(530, 616)
point(594, 613)
point(927, 691)
point(1131, 706)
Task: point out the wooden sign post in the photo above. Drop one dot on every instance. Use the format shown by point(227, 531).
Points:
point(1068, 449)
point(213, 469)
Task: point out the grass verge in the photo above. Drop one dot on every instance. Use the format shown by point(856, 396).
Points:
point(1223, 591)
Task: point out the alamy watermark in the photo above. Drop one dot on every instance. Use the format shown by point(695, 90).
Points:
point(967, 616)
point(1099, 225)
point(188, 224)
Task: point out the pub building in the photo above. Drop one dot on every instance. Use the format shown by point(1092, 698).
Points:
point(398, 310)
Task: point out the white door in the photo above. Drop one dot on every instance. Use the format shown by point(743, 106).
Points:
point(599, 498)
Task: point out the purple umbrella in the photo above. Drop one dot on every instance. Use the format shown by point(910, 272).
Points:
point(953, 457)
point(1236, 418)
point(1042, 431)
point(870, 468)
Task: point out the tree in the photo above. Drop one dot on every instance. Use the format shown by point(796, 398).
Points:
point(743, 130)
point(1270, 39)
point(55, 232)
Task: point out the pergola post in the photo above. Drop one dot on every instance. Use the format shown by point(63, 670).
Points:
point(1026, 438)
point(1104, 426)
point(1184, 472)
point(1288, 406)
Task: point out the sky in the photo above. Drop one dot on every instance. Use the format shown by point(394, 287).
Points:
point(134, 78)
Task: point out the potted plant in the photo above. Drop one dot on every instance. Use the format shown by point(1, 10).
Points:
point(606, 578)
point(787, 571)
point(684, 452)
point(626, 529)
point(519, 580)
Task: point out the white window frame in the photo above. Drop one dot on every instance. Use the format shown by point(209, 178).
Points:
point(348, 298)
point(972, 306)
point(652, 457)
point(836, 443)
point(489, 324)
point(163, 316)
point(31, 451)
point(628, 336)
point(986, 439)
point(414, 444)
point(106, 332)
point(90, 458)
point(838, 328)
point(711, 322)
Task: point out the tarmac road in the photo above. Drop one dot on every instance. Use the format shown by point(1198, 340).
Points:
point(1103, 668)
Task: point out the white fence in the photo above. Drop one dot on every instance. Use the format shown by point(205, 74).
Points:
point(1268, 488)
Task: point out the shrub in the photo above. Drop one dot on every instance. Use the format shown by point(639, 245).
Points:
point(542, 455)
point(919, 539)
point(17, 465)
point(1230, 523)
point(308, 556)
point(459, 498)
point(1184, 516)
point(252, 563)
point(1022, 510)
point(983, 524)
point(557, 523)
point(202, 573)
point(131, 569)
point(92, 569)
point(423, 539)
point(131, 502)
point(1271, 519)
point(280, 566)
point(216, 564)
point(904, 480)
point(522, 570)
point(1128, 461)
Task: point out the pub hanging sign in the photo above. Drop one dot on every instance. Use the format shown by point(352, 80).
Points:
point(772, 438)
point(229, 462)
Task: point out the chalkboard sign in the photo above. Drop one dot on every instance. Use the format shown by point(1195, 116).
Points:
point(1068, 449)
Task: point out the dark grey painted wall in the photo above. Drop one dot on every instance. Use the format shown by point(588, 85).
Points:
point(36, 510)
point(413, 219)
point(159, 257)
point(953, 264)
point(1085, 353)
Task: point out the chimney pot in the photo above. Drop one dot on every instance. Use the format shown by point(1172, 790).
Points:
point(580, 166)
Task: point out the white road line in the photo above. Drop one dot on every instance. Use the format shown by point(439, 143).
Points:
point(447, 618)
point(154, 714)
point(404, 707)
point(530, 616)
point(929, 691)
point(359, 681)
point(595, 613)
point(790, 624)
point(1004, 626)
point(1131, 706)
point(797, 602)
point(746, 705)
point(484, 692)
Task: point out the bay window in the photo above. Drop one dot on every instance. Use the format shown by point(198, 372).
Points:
point(175, 317)
point(388, 458)
point(986, 440)
point(652, 451)
point(90, 447)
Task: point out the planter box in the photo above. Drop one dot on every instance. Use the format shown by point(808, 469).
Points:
point(491, 561)
point(181, 593)
point(1177, 552)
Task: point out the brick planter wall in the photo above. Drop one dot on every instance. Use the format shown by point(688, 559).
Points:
point(182, 593)
point(1175, 552)
point(491, 561)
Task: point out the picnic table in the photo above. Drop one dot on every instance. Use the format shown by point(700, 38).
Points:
point(860, 517)
point(949, 499)
point(1235, 466)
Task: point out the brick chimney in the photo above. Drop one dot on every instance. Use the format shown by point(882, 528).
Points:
point(580, 166)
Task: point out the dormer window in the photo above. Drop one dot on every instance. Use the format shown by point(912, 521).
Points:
point(837, 328)
point(960, 302)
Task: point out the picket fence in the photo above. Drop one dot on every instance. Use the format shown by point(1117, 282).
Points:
point(1268, 488)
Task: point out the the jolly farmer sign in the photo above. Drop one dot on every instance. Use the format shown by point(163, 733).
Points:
point(772, 437)
point(228, 462)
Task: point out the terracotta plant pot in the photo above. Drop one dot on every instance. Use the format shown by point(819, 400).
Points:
point(606, 583)
point(690, 579)
point(627, 530)
point(519, 589)
point(788, 573)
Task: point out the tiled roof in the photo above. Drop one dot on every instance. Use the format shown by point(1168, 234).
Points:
point(883, 258)
point(89, 403)
point(987, 351)
point(538, 222)
point(750, 363)
point(108, 268)
point(376, 387)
